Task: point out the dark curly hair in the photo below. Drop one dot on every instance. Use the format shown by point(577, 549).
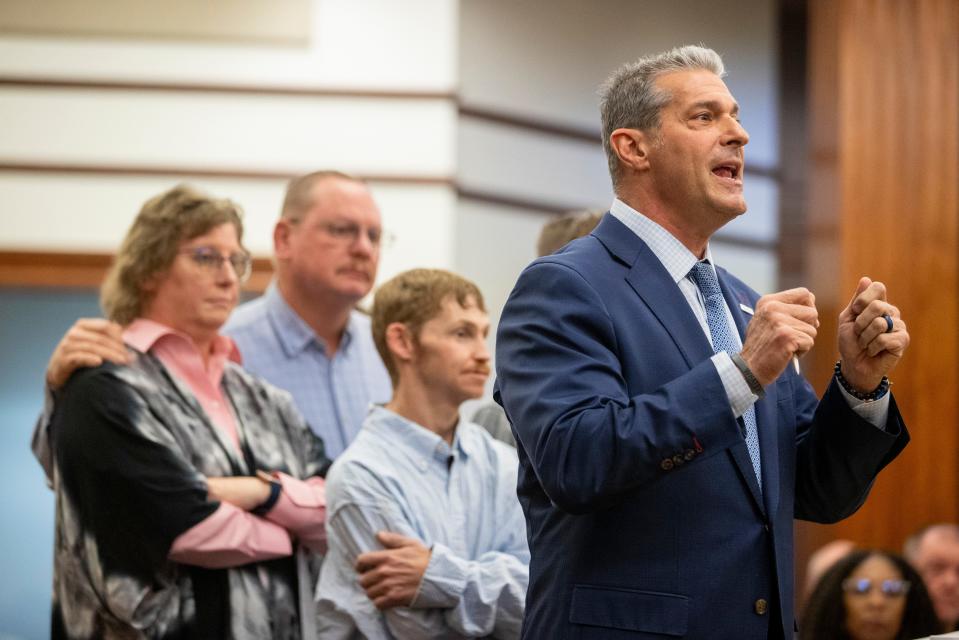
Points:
point(825, 616)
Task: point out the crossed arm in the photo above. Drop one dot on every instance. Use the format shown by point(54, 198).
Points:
point(430, 591)
point(230, 535)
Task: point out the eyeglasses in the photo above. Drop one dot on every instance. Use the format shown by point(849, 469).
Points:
point(211, 260)
point(348, 233)
point(888, 588)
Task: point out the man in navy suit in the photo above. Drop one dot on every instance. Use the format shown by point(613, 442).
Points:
point(666, 439)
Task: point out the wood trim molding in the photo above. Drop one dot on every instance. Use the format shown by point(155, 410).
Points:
point(572, 133)
point(95, 84)
point(54, 270)
point(532, 123)
point(86, 270)
point(542, 206)
point(204, 172)
point(40, 268)
point(516, 202)
point(498, 117)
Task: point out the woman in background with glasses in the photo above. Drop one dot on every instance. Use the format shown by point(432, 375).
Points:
point(189, 496)
point(869, 595)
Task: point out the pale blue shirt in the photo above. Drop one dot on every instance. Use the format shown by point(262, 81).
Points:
point(460, 500)
point(678, 261)
point(332, 394)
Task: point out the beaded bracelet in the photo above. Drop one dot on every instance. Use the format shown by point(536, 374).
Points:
point(873, 395)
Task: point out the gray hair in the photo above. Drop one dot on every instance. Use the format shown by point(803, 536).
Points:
point(630, 99)
point(911, 547)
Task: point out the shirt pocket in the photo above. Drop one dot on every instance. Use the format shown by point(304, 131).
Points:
point(629, 610)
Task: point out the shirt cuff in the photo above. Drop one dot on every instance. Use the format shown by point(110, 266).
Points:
point(875, 412)
point(301, 509)
point(443, 582)
point(737, 389)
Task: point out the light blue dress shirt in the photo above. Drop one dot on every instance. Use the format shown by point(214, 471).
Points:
point(332, 394)
point(460, 500)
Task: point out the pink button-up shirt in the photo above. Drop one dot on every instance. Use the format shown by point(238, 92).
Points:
point(231, 536)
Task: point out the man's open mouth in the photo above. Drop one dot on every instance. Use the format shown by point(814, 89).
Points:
point(729, 170)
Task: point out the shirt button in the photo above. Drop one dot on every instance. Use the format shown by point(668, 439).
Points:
point(666, 464)
point(761, 606)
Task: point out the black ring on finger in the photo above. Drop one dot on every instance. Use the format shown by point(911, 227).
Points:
point(888, 319)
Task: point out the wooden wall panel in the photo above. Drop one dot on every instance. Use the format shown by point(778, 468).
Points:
point(884, 202)
point(86, 270)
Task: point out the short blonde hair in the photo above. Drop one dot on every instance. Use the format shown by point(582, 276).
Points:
point(413, 298)
point(151, 245)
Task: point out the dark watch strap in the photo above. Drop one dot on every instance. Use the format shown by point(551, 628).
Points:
point(272, 499)
point(751, 379)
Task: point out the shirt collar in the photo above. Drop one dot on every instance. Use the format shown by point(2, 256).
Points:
point(674, 255)
point(294, 333)
point(143, 334)
point(421, 443)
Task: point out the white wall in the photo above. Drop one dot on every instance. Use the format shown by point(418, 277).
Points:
point(356, 45)
point(75, 191)
point(545, 59)
point(548, 57)
point(372, 44)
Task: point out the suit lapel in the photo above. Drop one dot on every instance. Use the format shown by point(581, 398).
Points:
point(649, 278)
point(654, 285)
point(765, 410)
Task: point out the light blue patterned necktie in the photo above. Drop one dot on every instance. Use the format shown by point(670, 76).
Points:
point(705, 278)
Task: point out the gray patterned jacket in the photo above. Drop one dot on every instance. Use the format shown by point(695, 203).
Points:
point(132, 447)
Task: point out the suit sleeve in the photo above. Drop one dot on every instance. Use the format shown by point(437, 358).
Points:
point(560, 379)
point(838, 452)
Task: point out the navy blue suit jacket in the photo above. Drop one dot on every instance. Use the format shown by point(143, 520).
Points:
point(643, 513)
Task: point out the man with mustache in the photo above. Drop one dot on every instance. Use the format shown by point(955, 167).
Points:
point(457, 564)
point(666, 441)
point(304, 334)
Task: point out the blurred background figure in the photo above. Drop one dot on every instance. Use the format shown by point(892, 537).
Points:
point(555, 235)
point(869, 595)
point(934, 552)
point(822, 559)
point(559, 232)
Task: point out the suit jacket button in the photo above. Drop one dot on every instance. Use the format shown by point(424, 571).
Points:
point(761, 606)
point(678, 460)
point(689, 454)
point(666, 464)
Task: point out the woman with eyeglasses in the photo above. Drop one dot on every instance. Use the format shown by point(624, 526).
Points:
point(869, 595)
point(189, 496)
